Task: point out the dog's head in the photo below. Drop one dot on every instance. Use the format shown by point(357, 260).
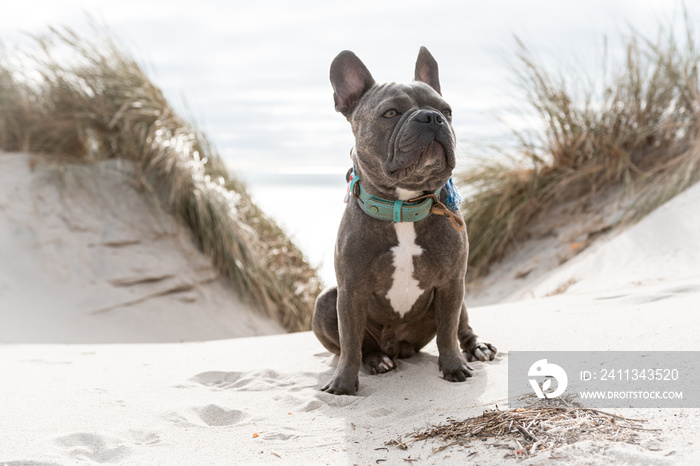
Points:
point(403, 132)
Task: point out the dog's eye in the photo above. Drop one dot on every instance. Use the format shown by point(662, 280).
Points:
point(390, 113)
point(447, 112)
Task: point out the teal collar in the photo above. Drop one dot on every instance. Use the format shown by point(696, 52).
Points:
point(412, 210)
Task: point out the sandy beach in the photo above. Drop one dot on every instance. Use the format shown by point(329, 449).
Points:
point(115, 349)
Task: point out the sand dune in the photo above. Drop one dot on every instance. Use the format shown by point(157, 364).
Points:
point(255, 400)
point(87, 257)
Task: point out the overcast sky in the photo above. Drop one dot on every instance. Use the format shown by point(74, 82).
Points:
point(255, 74)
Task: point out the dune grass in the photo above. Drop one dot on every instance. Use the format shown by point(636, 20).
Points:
point(84, 99)
point(636, 128)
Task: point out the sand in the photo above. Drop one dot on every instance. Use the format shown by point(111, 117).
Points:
point(86, 256)
point(148, 399)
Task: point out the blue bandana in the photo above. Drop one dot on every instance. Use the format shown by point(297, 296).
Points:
point(453, 198)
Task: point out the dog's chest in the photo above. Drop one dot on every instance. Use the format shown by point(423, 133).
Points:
point(405, 289)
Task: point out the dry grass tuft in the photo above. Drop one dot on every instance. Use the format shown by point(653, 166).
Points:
point(538, 427)
point(637, 129)
point(85, 99)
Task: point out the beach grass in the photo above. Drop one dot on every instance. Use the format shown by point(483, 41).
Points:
point(84, 99)
point(633, 126)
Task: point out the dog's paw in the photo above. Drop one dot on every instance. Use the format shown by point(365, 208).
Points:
point(481, 351)
point(339, 387)
point(378, 363)
point(459, 375)
point(455, 369)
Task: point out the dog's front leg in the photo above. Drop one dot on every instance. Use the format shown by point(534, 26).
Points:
point(448, 305)
point(352, 319)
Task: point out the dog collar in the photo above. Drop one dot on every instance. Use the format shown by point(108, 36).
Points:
point(412, 210)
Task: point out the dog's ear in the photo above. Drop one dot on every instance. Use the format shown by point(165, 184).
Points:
point(350, 79)
point(427, 70)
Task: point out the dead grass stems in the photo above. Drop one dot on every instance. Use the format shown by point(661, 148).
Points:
point(636, 128)
point(538, 427)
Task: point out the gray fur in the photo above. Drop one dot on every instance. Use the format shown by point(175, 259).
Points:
point(412, 151)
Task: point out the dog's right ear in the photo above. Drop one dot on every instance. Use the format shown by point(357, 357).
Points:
point(350, 79)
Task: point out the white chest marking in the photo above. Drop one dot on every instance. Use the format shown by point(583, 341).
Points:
point(405, 289)
point(405, 194)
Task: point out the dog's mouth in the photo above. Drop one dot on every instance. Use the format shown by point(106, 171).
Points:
point(433, 155)
point(433, 158)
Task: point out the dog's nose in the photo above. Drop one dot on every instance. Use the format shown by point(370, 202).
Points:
point(430, 117)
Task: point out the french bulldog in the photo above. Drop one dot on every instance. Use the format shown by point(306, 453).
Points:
point(401, 252)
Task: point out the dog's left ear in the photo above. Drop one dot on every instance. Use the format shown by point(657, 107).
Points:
point(427, 70)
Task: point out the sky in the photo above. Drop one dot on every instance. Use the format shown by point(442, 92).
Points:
point(254, 75)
